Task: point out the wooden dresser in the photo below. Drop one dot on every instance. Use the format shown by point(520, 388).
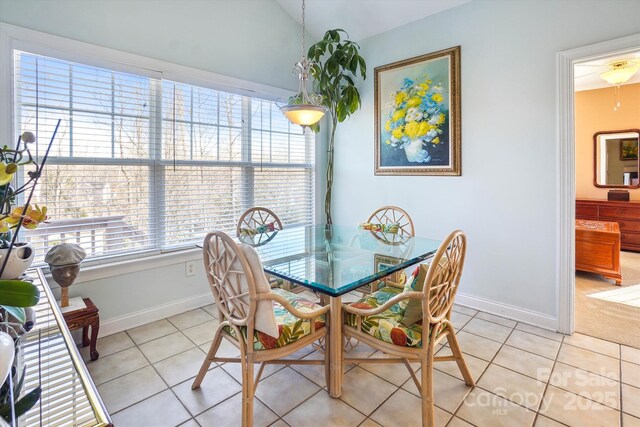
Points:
point(626, 214)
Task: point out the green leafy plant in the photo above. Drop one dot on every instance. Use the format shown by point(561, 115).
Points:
point(335, 66)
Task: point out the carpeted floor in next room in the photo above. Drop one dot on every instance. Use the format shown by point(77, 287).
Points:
point(607, 311)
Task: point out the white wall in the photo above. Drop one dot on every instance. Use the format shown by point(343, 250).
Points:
point(505, 199)
point(252, 40)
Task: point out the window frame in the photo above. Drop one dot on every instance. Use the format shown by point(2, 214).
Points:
point(18, 38)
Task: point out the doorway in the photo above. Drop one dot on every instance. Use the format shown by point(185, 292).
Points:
point(566, 195)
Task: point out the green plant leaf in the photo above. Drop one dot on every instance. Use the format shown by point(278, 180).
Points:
point(363, 67)
point(18, 293)
point(17, 312)
point(23, 405)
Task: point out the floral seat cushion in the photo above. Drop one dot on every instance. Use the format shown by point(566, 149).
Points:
point(386, 326)
point(392, 228)
point(290, 328)
point(259, 229)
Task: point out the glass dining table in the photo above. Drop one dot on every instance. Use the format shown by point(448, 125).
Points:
point(334, 260)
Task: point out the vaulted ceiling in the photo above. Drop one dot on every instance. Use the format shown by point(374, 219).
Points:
point(363, 18)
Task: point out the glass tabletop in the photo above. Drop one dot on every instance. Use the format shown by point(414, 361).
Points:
point(337, 259)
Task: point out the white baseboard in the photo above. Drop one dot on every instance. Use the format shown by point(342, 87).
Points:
point(149, 315)
point(152, 314)
point(509, 311)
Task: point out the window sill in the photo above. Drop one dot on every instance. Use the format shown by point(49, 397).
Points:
point(119, 268)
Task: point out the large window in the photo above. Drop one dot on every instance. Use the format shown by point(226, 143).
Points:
point(143, 164)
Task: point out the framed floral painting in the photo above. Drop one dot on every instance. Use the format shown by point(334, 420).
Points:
point(417, 115)
point(629, 149)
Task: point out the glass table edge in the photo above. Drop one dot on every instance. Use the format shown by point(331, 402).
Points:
point(99, 409)
point(332, 292)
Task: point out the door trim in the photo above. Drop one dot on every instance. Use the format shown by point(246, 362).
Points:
point(566, 165)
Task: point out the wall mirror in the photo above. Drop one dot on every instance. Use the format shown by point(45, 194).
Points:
point(616, 158)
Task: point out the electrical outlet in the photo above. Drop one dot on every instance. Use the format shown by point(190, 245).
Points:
point(190, 268)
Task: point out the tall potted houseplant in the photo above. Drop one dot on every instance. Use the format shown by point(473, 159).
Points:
point(336, 64)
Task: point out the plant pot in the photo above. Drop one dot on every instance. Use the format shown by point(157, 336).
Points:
point(20, 260)
point(7, 351)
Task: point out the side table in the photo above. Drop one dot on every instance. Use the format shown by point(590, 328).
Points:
point(86, 318)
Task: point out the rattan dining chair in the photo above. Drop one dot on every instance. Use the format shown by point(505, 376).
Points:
point(249, 311)
point(257, 226)
point(389, 216)
point(258, 220)
point(379, 320)
point(394, 215)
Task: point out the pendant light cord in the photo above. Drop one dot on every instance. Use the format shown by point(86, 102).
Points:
point(303, 7)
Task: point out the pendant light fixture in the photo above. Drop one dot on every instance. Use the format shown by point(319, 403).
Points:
point(619, 73)
point(302, 109)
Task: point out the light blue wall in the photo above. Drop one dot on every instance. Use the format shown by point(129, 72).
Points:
point(506, 197)
point(255, 40)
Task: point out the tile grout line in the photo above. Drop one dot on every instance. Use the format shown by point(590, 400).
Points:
point(142, 353)
point(299, 404)
point(546, 388)
point(597, 338)
point(620, 367)
point(220, 366)
point(136, 346)
point(579, 395)
point(217, 366)
point(492, 362)
point(483, 372)
point(397, 388)
point(536, 412)
point(164, 381)
point(455, 412)
point(548, 382)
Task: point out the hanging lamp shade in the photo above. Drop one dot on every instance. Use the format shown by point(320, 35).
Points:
point(619, 72)
point(303, 114)
point(301, 109)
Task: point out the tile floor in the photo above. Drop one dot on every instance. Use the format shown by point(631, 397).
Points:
point(525, 376)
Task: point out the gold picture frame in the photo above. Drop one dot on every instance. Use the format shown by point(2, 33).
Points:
point(417, 115)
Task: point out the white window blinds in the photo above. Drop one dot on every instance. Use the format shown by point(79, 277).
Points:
point(144, 164)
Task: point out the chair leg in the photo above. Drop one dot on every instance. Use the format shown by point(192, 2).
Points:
point(327, 368)
point(457, 353)
point(248, 388)
point(426, 373)
point(215, 344)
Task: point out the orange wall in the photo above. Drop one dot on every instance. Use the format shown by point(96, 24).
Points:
point(594, 113)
